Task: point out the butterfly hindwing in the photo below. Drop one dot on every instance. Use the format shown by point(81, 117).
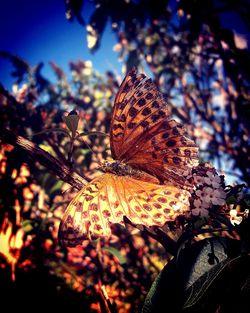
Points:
point(84, 215)
point(108, 198)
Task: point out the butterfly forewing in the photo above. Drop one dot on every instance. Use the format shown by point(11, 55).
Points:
point(137, 100)
point(143, 135)
point(108, 198)
point(166, 152)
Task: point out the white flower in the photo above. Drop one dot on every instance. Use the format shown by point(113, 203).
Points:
point(92, 37)
point(87, 71)
point(234, 218)
point(246, 213)
point(131, 46)
point(149, 58)
point(212, 180)
point(176, 50)
point(199, 180)
point(214, 196)
point(199, 208)
point(205, 204)
point(20, 93)
point(200, 193)
point(88, 63)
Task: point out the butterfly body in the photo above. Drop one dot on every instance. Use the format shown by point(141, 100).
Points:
point(122, 169)
point(118, 167)
point(145, 181)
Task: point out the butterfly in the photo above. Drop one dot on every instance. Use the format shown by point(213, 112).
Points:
point(145, 181)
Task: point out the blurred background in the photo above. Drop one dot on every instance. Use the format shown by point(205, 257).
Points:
point(57, 56)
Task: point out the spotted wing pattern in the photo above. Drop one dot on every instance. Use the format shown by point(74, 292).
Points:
point(108, 198)
point(136, 100)
point(143, 135)
point(166, 152)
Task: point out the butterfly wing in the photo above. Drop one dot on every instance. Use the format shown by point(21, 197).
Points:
point(165, 152)
point(143, 135)
point(108, 198)
point(137, 96)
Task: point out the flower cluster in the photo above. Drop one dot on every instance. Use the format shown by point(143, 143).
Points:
point(208, 191)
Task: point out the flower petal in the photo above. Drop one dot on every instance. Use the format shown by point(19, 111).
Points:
point(196, 212)
point(236, 220)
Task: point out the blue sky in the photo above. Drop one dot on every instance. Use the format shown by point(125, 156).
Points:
point(38, 31)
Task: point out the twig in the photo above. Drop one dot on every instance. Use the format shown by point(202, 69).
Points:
point(64, 172)
point(107, 306)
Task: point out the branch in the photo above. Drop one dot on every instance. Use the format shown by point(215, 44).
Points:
point(63, 171)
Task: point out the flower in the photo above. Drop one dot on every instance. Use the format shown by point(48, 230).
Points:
point(199, 208)
point(246, 213)
point(234, 218)
point(212, 180)
point(87, 68)
point(20, 93)
point(214, 196)
point(200, 193)
point(92, 37)
point(199, 180)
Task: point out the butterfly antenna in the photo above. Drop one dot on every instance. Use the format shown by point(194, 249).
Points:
point(88, 145)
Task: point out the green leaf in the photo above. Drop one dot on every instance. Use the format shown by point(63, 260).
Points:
point(57, 186)
point(231, 200)
point(45, 178)
point(27, 226)
point(121, 258)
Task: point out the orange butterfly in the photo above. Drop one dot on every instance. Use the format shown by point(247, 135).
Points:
point(145, 182)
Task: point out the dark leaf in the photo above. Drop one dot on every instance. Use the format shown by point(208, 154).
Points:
point(73, 9)
point(21, 67)
point(220, 288)
point(42, 83)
